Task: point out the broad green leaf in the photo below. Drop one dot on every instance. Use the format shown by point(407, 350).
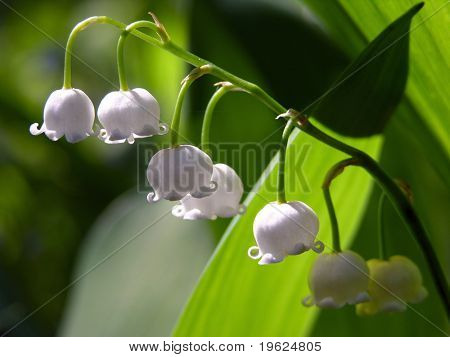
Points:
point(235, 296)
point(425, 108)
point(141, 289)
point(428, 86)
point(365, 95)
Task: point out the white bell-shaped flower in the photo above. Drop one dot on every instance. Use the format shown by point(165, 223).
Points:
point(283, 229)
point(337, 279)
point(173, 173)
point(69, 113)
point(393, 284)
point(130, 114)
point(224, 202)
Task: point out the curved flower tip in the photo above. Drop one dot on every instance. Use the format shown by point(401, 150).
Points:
point(254, 252)
point(337, 279)
point(283, 229)
point(163, 129)
point(176, 172)
point(318, 246)
point(69, 113)
point(128, 115)
point(308, 301)
point(153, 198)
point(394, 284)
point(269, 259)
point(223, 201)
point(265, 259)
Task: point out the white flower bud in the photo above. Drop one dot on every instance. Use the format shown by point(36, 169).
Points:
point(337, 279)
point(393, 283)
point(224, 202)
point(284, 229)
point(69, 113)
point(126, 115)
point(173, 173)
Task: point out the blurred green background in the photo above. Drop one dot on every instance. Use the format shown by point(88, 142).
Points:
point(64, 208)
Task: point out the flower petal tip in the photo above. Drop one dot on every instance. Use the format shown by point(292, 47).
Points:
point(329, 303)
point(251, 253)
point(318, 246)
point(34, 129)
point(152, 198)
point(269, 259)
point(163, 129)
point(308, 301)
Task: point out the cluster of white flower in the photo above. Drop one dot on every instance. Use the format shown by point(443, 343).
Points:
point(206, 190)
point(337, 278)
point(186, 174)
point(125, 115)
point(183, 172)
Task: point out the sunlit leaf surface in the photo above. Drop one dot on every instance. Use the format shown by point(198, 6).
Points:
point(365, 95)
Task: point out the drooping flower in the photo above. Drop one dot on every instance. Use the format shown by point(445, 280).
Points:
point(126, 115)
point(69, 113)
point(224, 202)
point(393, 284)
point(176, 172)
point(283, 229)
point(337, 279)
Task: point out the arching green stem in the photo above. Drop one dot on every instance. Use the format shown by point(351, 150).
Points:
point(281, 193)
point(143, 24)
point(224, 88)
point(185, 84)
point(207, 119)
point(120, 61)
point(336, 170)
point(381, 231)
point(120, 48)
point(333, 220)
point(166, 44)
point(73, 35)
point(176, 119)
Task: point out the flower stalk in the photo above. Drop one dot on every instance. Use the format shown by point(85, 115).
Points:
point(381, 231)
point(224, 88)
point(120, 61)
point(281, 193)
point(185, 84)
point(335, 171)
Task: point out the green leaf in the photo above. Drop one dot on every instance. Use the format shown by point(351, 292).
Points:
point(428, 87)
point(423, 114)
point(141, 289)
point(364, 97)
point(236, 296)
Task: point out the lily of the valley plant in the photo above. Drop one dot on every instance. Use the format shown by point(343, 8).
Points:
point(206, 190)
